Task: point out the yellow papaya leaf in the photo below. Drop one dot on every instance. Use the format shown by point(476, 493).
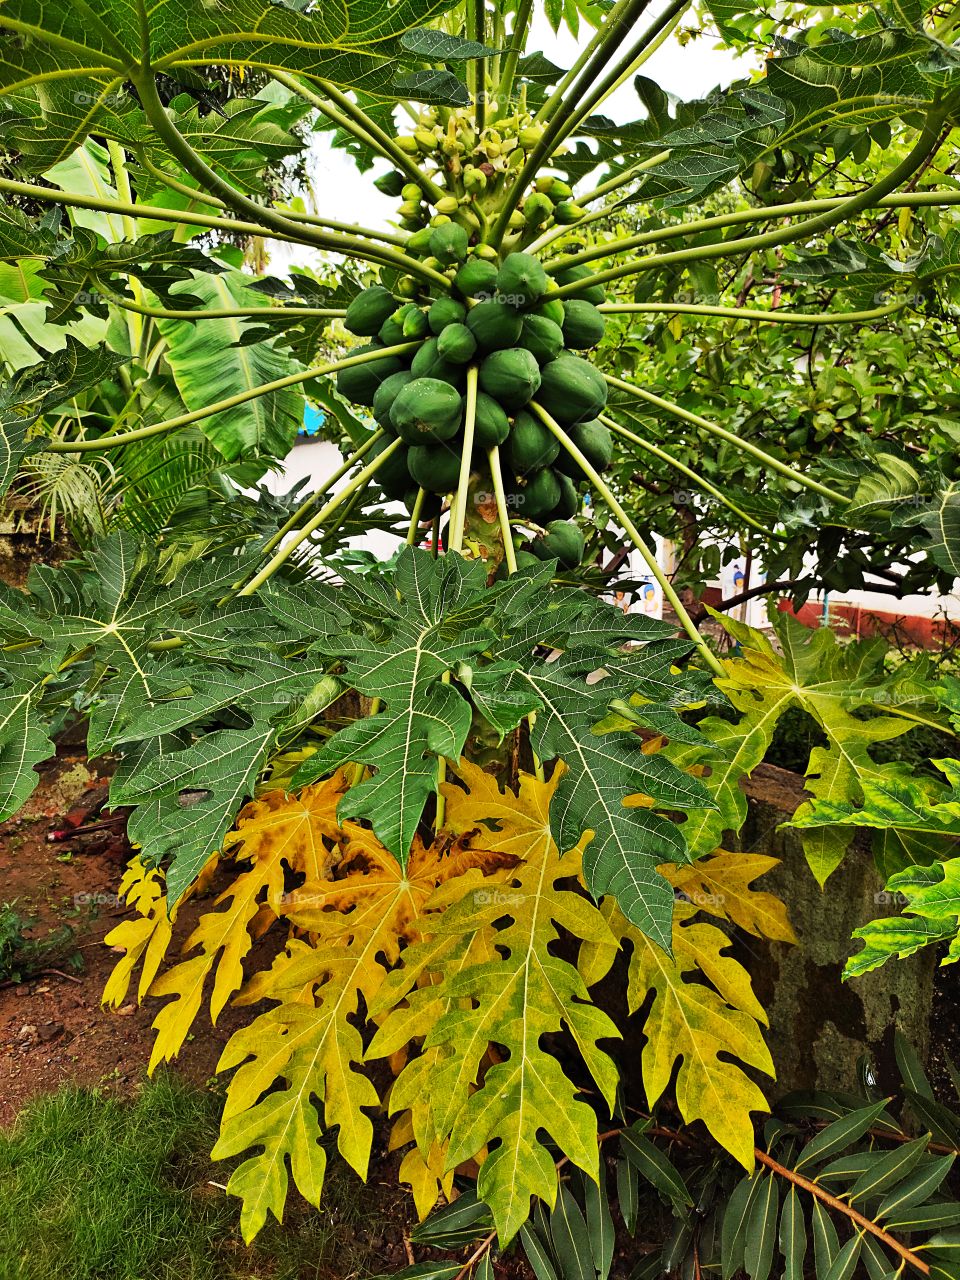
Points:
point(276, 830)
point(511, 998)
point(146, 937)
point(695, 1023)
point(357, 924)
point(722, 886)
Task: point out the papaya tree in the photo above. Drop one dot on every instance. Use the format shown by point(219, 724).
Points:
point(448, 793)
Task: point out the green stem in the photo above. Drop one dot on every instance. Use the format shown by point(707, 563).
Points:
point(615, 16)
point(623, 12)
point(479, 65)
point(198, 168)
point(222, 313)
point(745, 313)
point(355, 116)
point(590, 471)
point(185, 419)
point(691, 475)
point(904, 200)
point(328, 484)
point(415, 516)
point(621, 179)
point(721, 433)
point(927, 139)
point(284, 553)
point(518, 39)
point(503, 515)
point(638, 53)
point(203, 197)
point(459, 515)
point(121, 181)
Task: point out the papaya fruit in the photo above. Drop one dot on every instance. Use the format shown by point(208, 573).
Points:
point(456, 344)
point(434, 467)
point(560, 541)
point(590, 293)
point(583, 324)
point(426, 409)
point(494, 325)
point(530, 445)
point(521, 280)
point(476, 278)
point(511, 377)
point(449, 242)
point(367, 312)
point(491, 424)
point(594, 441)
point(552, 309)
point(393, 477)
point(571, 390)
point(569, 503)
point(385, 395)
point(391, 331)
point(443, 312)
point(359, 382)
point(524, 559)
point(432, 502)
point(540, 494)
point(427, 362)
point(542, 338)
point(415, 324)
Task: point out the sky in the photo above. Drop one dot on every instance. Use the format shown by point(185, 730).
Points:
point(340, 191)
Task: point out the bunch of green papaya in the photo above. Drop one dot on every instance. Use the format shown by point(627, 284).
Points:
point(500, 318)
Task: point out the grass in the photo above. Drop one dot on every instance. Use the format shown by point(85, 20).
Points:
point(95, 1188)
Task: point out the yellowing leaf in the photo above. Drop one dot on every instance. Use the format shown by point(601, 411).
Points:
point(357, 924)
point(695, 1023)
point(510, 997)
point(721, 885)
point(275, 831)
point(144, 938)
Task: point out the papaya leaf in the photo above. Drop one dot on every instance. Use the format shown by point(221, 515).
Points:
point(143, 940)
point(931, 914)
point(513, 999)
point(723, 886)
point(358, 918)
point(694, 1022)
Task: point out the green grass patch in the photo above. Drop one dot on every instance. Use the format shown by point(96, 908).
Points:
point(97, 1188)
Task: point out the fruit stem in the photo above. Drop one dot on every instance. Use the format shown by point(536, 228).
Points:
point(745, 446)
point(503, 515)
point(745, 313)
point(691, 475)
point(518, 38)
point(284, 553)
point(328, 484)
point(415, 514)
point(231, 402)
point(590, 471)
point(459, 514)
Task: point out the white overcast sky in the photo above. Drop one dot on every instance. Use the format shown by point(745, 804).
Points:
point(342, 192)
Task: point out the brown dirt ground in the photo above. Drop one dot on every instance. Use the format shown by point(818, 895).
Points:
point(53, 1029)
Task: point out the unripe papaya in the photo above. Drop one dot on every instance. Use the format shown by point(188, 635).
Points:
point(537, 209)
point(485, 251)
point(425, 409)
point(530, 445)
point(530, 136)
point(391, 331)
point(385, 395)
point(560, 541)
point(447, 204)
point(419, 242)
point(583, 324)
point(594, 441)
point(415, 324)
point(474, 180)
point(539, 495)
point(591, 293)
point(571, 390)
point(476, 278)
point(449, 242)
point(566, 213)
point(435, 467)
point(429, 363)
point(512, 377)
point(456, 344)
point(445, 311)
point(569, 503)
point(491, 425)
point(392, 477)
point(368, 310)
point(541, 337)
point(359, 382)
point(411, 191)
point(494, 325)
point(552, 308)
point(521, 280)
point(555, 188)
